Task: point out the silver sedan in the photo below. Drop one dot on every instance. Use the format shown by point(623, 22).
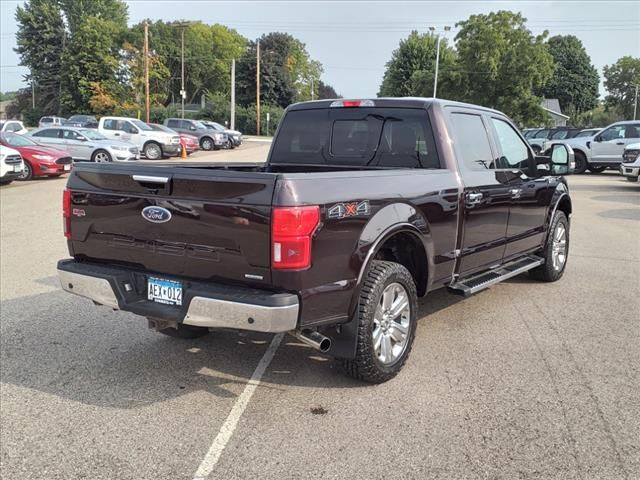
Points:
point(86, 144)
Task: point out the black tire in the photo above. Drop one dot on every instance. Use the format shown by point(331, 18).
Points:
point(581, 163)
point(632, 179)
point(207, 144)
point(366, 366)
point(547, 272)
point(185, 331)
point(5, 182)
point(593, 169)
point(153, 151)
point(27, 172)
point(101, 156)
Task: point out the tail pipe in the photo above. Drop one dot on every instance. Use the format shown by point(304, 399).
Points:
point(313, 339)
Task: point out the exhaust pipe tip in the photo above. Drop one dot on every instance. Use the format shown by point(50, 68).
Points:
point(313, 339)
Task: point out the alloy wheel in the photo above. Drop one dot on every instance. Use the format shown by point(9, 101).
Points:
point(391, 324)
point(559, 247)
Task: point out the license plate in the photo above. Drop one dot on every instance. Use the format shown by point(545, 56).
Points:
point(66, 167)
point(17, 168)
point(164, 291)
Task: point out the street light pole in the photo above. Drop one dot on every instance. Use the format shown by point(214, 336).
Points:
point(182, 92)
point(258, 87)
point(435, 79)
point(233, 94)
point(146, 71)
point(635, 103)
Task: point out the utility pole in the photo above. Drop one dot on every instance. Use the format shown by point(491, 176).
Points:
point(183, 94)
point(312, 93)
point(258, 87)
point(33, 95)
point(233, 94)
point(635, 103)
point(435, 79)
point(146, 70)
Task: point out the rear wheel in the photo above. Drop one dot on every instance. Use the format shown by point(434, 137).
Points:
point(387, 312)
point(556, 251)
point(581, 163)
point(593, 169)
point(27, 172)
point(101, 156)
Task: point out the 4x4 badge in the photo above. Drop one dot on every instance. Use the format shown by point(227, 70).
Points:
point(351, 209)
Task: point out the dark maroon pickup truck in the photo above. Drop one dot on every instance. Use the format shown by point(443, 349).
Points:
point(361, 207)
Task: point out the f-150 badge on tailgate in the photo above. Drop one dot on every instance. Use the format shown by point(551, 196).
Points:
point(351, 209)
point(155, 214)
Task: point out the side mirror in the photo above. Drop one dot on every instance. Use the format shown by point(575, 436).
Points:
point(193, 128)
point(562, 158)
point(133, 130)
point(597, 138)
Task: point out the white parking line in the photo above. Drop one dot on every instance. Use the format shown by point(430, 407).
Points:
point(228, 427)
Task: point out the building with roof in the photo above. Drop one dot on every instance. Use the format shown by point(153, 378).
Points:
point(552, 107)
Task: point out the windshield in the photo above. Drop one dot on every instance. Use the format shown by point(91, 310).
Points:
point(377, 137)
point(92, 134)
point(199, 125)
point(141, 125)
point(162, 128)
point(541, 134)
point(217, 126)
point(560, 135)
point(18, 140)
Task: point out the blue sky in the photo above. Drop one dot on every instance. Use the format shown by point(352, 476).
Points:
point(354, 39)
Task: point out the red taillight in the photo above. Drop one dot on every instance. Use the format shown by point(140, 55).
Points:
point(66, 212)
point(291, 231)
point(352, 103)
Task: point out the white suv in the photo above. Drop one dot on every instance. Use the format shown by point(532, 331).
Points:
point(630, 166)
point(152, 143)
point(11, 165)
point(13, 126)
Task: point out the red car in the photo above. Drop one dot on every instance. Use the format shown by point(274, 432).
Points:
point(189, 142)
point(39, 161)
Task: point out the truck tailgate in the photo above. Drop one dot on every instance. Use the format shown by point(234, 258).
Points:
point(217, 225)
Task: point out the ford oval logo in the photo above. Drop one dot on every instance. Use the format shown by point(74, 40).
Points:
point(156, 214)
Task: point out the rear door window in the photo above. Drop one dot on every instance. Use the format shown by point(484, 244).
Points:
point(47, 133)
point(173, 123)
point(110, 124)
point(376, 137)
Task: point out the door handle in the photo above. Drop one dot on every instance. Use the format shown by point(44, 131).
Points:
point(473, 199)
point(116, 134)
point(619, 143)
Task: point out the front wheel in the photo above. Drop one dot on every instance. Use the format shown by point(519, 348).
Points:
point(593, 169)
point(581, 163)
point(152, 151)
point(27, 172)
point(101, 156)
point(386, 316)
point(556, 250)
point(206, 144)
point(632, 179)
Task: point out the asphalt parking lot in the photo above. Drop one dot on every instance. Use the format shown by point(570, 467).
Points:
point(524, 380)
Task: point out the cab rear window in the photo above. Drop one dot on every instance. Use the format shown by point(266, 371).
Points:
point(375, 137)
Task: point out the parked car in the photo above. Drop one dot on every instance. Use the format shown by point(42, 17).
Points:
point(587, 132)
point(13, 126)
point(11, 165)
point(86, 144)
point(541, 140)
point(51, 121)
point(630, 167)
point(189, 142)
point(84, 121)
point(528, 132)
point(152, 143)
point(209, 139)
point(39, 160)
point(607, 147)
point(582, 153)
point(362, 207)
point(235, 137)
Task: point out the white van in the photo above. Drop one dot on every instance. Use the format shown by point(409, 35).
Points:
point(152, 143)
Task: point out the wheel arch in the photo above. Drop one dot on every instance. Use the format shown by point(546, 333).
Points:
point(561, 200)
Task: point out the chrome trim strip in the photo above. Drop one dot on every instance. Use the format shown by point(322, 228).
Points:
point(150, 179)
point(211, 312)
point(94, 288)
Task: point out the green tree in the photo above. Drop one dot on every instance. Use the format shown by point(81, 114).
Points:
point(502, 63)
point(575, 80)
point(621, 80)
point(286, 71)
point(326, 91)
point(411, 70)
point(40, 41)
